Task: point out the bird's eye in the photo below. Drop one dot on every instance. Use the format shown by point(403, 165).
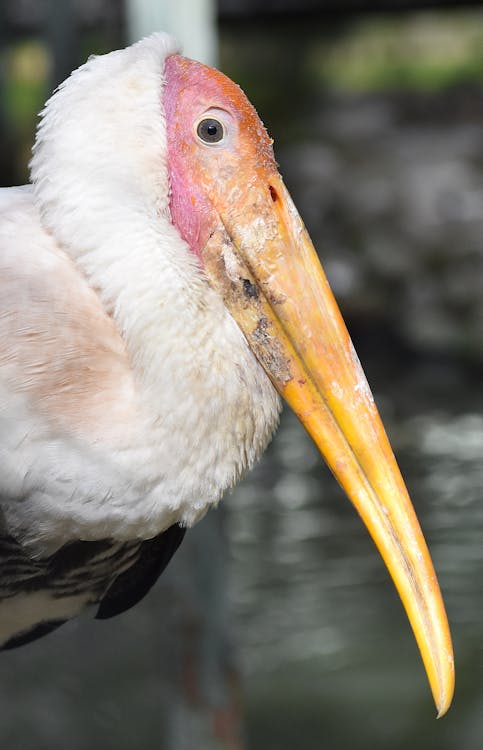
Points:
point(210, 130)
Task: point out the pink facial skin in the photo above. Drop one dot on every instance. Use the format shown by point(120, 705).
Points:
point(189, 208)
point(197, 170)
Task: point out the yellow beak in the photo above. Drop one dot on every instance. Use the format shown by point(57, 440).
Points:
point(262, 261)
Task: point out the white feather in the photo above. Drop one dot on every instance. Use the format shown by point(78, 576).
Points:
point(179, 407)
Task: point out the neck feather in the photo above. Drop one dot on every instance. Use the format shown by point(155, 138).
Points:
point(100, 178)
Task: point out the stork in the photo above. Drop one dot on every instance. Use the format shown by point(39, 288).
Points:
point(158, 293)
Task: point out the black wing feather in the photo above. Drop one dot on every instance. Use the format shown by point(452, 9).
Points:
point(115, 576)
point(131, 586)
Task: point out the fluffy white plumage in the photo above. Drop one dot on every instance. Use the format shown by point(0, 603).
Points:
point(129, 398)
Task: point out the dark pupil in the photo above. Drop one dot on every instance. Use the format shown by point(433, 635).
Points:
point(210, 131)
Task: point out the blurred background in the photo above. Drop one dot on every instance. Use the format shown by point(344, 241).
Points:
point(276, 625)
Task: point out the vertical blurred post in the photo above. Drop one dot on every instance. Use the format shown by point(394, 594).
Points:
point(202, 678)
point(192, 22)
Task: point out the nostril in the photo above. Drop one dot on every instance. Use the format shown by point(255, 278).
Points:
point(273, 193)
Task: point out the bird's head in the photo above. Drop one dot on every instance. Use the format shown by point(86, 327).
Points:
point(232, 208)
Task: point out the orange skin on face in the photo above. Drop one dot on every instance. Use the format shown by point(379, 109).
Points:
point(201, 174)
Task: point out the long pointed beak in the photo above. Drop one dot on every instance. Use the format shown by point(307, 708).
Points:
point(263, 262)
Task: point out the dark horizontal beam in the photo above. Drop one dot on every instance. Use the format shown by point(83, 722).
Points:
point(241, 12)
point(248, 11)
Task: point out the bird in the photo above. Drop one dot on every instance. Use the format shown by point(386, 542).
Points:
point(159, 293)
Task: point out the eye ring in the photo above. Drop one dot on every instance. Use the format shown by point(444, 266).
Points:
point(210, 131)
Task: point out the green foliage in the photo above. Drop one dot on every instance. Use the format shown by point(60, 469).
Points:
point(25, 84)
point(425, 52)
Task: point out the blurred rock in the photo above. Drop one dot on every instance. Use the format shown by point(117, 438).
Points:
point(392, 193)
